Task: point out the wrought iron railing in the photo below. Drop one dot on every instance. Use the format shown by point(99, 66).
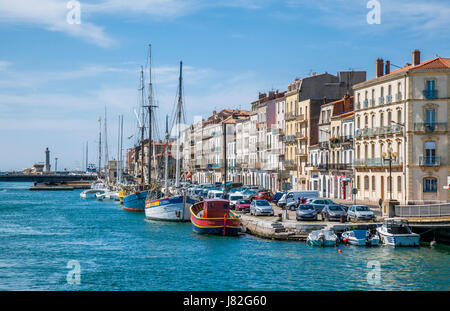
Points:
point(426, 210)
point(430, 160)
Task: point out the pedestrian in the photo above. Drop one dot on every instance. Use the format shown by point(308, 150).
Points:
point(380, 203)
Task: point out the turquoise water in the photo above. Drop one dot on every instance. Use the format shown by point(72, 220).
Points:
point(40, 232)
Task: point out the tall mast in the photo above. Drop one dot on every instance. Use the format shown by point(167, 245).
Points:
point(118, 154)
point(179, 111)
point(166, 164)
point(87, 156)
point(150, 116)
point(106, 143)
point(142, 126)
point(100, 146)
point(121, 146)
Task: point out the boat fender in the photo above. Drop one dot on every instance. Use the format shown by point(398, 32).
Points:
point(177, 213)
point(346, 240)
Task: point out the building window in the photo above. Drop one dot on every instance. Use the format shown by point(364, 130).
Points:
point(366, 182)
point(373, 184)
point(430, 117)
point(389, 118)
point(399, 183)
point(381, 119)
point(429, 185)
point(358, 182)
point(399, 116)
point(430, 152)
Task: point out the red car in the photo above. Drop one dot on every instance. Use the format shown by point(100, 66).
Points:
point(264, 195)
point(242, 205)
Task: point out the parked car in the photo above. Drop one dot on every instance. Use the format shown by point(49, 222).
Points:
point(333, 212)
point(360, 212)
point(249, 194)
point(261, 207)
point(233, 198)
point(277, 196)
point(242, 206)
point(306, 211)
point(215, 194)
point(294, 196)
point(264, 195)
point(319, 204)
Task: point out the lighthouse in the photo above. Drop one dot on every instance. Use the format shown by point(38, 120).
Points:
point(47, 160)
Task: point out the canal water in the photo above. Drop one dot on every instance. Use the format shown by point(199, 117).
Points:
point(46, 236)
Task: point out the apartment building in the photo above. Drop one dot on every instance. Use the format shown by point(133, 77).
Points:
point(401, 122)
point(304, 98)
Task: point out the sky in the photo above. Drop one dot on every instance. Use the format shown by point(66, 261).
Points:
point(57, 75)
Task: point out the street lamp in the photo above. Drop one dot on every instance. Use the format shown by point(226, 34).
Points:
point(389, 156)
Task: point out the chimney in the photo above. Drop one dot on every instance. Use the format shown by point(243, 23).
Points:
point(416, 57)
point(387, 69)
point(379, 67)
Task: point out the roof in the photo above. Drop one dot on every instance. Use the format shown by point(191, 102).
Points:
point(435, 63)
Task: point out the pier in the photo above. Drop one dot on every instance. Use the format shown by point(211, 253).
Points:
point(41, 178)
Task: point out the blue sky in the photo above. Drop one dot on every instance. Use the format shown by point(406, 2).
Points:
point(57, 78)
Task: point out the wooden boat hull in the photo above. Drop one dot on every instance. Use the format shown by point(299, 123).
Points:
point(214, 226)
point(135, 202)
point(168, 209)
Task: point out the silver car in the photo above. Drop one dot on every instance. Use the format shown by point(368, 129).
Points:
point(360, 212)
point(260, 208)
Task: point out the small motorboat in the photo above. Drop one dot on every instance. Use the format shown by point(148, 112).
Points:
point(92, 193)
point(213, 216)
point(110, 195)
point(322, 238)
point(396, 232)
point(360, 237)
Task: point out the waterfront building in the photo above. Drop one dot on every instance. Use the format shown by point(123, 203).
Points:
point(340, 169)
point(303, 100)
point(401, 121)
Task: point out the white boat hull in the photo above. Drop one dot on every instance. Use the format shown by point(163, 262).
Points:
point(91, 193)
point(399, 239)
point(169, 209)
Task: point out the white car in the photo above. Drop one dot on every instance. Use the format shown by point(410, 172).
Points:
point(261, 207)
point(234, 198)
point(360, 212)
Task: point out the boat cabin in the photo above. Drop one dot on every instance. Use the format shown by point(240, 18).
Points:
point(215, 208)
point(397, 226)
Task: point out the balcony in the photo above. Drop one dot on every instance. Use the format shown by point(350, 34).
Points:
point(300, 151)
point(290, 116)
point(277, 131)
point(382, 130)
point(324, 144)
point(376, 162)
point(430, 94)
point(300, 135)
point(381, 100)
point(290, 139)
point(323, 167)
point(398, 97)
point(388, 99)
point(300, 118)
point(371, 102)
point(429, 127)
point(429, 160)
point(290, 165)
point(346, 139)
point(340, 166)
point(358, 105)
point(365, 103)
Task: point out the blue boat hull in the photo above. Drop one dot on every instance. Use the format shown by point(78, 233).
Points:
point(135, 202)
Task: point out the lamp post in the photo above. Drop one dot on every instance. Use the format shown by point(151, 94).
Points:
point(389, 156)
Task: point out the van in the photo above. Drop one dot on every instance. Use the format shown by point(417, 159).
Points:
point(292, 197)
point(215, 194)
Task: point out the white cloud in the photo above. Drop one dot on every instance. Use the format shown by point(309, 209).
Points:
point(4, 64)
point(51, 15)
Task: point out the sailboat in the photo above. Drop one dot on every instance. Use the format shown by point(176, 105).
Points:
point(134, 199)
point(172, 208)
